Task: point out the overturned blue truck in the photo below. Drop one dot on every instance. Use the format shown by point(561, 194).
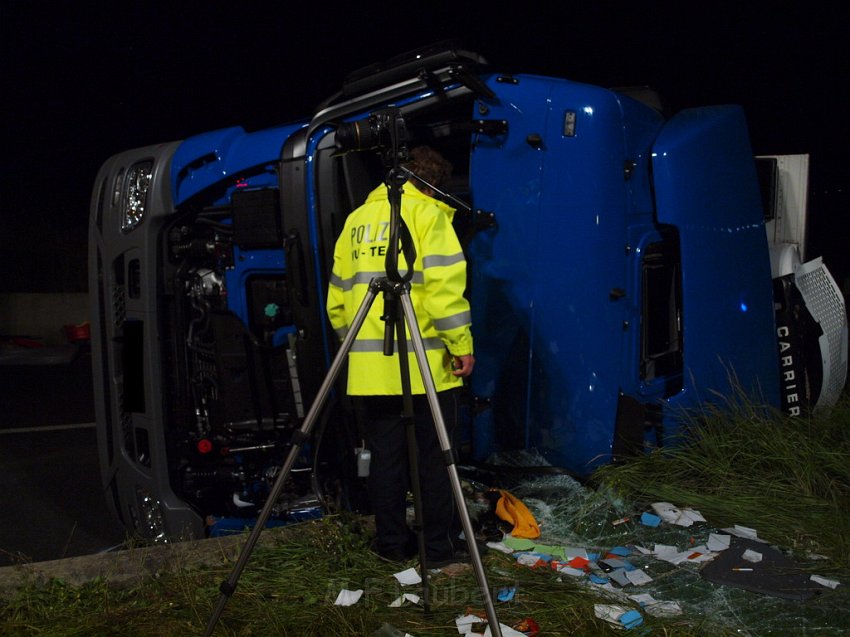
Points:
point(624, 264)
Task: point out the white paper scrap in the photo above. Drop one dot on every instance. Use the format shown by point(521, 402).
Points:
point(693, 515)
point(744, 532)
point(619, 576)
point(574, 551)
point(700, 554)
point(674, 515)
point(655, 607)
point(643, 598)
point(608, 588)
point(611, 613)
point(670, 554)
point(642, 550)
point(464, 623)
point(528, 559)
point(500, 546)
point(347, 597)
point(407, 597)
point(664, 549)
point(666, 511)
point(677, 558)
point(823, 581)
point(408, 577)
point(569, 570)
point(638, 577)
point(718, 542)
point(753, 557)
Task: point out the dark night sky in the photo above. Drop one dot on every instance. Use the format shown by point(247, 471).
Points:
point(84, 80)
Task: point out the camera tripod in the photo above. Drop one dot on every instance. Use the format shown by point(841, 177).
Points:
point(395, 288)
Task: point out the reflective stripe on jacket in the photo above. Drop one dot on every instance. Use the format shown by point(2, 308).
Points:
point(436, 292)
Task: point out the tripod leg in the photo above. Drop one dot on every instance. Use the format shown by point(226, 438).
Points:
point(298, 438)
point(413, 460)
point(445, 444)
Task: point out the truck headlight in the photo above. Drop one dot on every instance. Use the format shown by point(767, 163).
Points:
point(136, 187)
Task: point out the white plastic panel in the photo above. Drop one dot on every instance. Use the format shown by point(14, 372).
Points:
point(826, 304)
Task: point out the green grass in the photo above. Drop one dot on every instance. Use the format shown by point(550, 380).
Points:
point(789, 479)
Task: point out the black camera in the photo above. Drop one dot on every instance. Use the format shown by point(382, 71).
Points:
point(384, 129)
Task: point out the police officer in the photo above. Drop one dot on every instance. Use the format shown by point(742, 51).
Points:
point(374, 380)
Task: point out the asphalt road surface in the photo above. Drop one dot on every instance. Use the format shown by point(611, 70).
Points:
point(52, 502)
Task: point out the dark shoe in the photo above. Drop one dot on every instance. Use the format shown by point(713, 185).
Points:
point(461, 547)
point(457, 558)
point(460, 556)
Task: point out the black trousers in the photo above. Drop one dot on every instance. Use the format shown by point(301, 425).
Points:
point(389, 474)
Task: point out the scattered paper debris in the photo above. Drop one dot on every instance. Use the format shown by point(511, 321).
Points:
point(534, 560)
point(347, 597)
point(673, 555)
point(609, 612)
point(620, 577)
point(674, 515)
point(408, 577)
point(744, 532)
point(718, 542)
point(500, 546)
point(655, 607)
point(648, 519)
point(823, 581)
point(406, 597)
point(638, 577)
point(580, 562)
point(465, 623)
point(569, 570)
point(552, 551)
point(518, 544)
point(754, 557)
point(618, 616)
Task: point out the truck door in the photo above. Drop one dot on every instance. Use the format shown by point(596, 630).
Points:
point(706, 187)
point(549, 335)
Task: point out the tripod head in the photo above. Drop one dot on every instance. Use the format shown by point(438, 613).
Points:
point(385, 130)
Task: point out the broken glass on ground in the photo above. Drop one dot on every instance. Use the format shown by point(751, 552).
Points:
point(577, 518)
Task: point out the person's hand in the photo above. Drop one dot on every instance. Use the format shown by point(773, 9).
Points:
point(462, 365)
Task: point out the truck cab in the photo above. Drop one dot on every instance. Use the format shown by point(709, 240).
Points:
point(619, 274)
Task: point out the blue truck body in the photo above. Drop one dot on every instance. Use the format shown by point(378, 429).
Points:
point(619, 274)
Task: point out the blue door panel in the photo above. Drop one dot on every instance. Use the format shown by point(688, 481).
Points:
point(706, 187)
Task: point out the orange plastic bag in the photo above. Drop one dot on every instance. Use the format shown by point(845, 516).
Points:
point(511, 509)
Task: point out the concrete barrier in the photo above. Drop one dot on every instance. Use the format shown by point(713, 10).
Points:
point(130, 567)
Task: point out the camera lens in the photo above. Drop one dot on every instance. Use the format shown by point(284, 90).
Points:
point(362, 134)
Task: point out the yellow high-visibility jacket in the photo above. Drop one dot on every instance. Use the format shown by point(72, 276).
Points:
point(437, 292)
